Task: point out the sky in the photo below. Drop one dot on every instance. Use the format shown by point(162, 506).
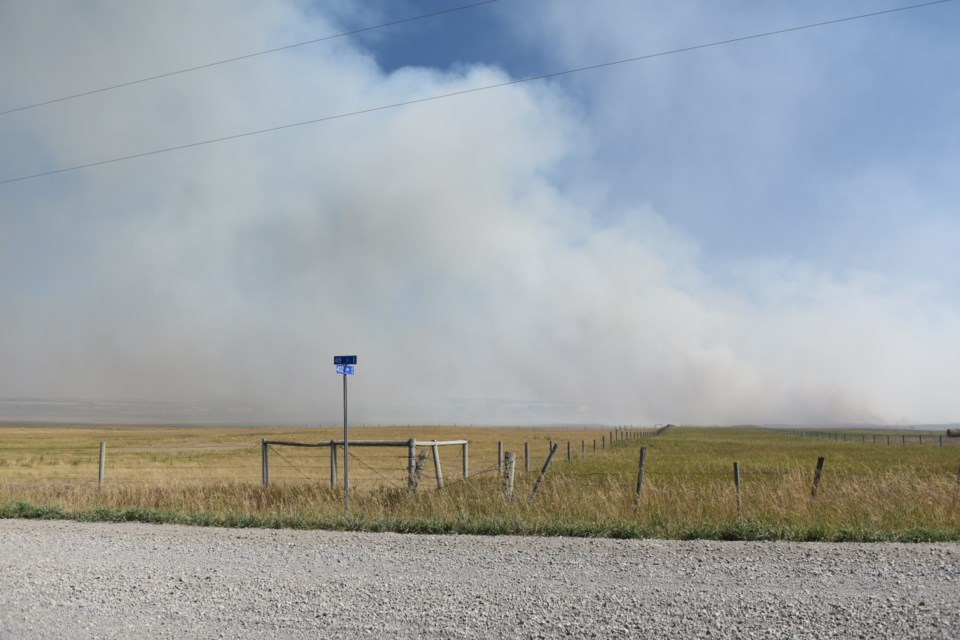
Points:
point(759, 232)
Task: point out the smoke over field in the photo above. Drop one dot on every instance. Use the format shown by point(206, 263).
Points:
point(467, 250)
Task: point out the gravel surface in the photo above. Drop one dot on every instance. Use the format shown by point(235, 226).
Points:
point(88, 580)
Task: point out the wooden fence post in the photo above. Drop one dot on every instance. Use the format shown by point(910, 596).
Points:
point(436, 466)
point(411, 465)
point(603, 443)
point(543, 472)
point(334, 472)
point(465, 452)
point(418, 471)
point(816, 477)
point(526, 457)
point(569, 452)
point(736, 482)
point(500, 457)
point(583, 448)
point(103, 465)
point(594, 445)
point(643, 463)
point(510, 472)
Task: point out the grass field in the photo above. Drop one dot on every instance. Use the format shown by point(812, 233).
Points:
point(212, 476)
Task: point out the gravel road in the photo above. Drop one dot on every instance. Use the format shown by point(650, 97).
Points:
point(86, 580)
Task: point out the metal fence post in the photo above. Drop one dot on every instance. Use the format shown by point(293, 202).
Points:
point(103, 464)
point(736, 481)
point(264, 462)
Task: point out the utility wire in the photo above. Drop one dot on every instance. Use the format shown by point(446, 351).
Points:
point(462, 92)
point(248, 55)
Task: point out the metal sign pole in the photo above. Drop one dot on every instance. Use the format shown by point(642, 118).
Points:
point(346, 365)
point(346, 450)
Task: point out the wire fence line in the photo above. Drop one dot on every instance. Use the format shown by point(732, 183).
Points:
point(380, 475)
point(291, 463)
point(928, 439)
point(129, 459)
point(200, 463)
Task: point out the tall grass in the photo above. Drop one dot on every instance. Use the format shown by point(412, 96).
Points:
point(868, 493)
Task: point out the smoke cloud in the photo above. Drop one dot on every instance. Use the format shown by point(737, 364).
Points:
point(447, 244)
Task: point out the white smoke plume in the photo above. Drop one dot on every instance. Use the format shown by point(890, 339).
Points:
point(446, 244)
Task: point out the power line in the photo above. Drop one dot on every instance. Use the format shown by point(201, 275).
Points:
point(248, 55)
point(462, 92)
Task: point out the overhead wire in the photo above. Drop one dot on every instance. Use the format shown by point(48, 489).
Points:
point(247, 56)
point(462, 92)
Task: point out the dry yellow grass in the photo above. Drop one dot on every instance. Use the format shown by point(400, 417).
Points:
point(212, 476)
point(184, 455)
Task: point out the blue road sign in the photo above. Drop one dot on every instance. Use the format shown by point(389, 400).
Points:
point(344, 359)
point(347, 369)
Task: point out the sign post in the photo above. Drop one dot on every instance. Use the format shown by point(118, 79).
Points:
point(346, 366)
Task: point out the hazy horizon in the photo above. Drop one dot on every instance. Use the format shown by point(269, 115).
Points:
point(146, 413)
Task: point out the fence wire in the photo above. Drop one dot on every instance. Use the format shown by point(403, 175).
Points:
point(291, 464)
point(358, 459)
point(201, 462)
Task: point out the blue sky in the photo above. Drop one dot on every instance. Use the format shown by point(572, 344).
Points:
point(759, 232)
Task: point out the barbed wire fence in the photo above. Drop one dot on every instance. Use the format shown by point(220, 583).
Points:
point(133, 461)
